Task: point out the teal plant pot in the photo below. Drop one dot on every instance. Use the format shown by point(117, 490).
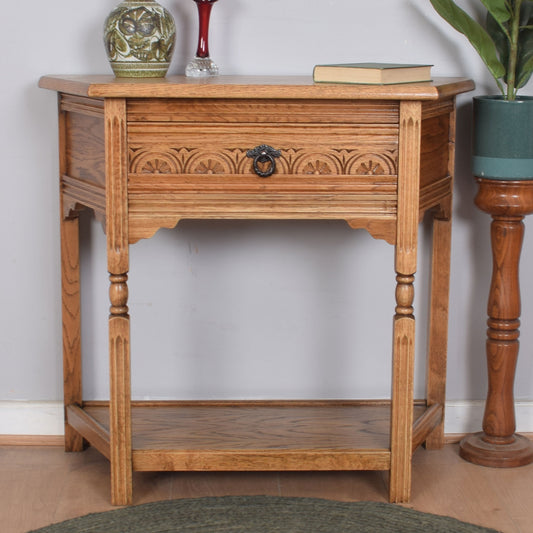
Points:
point(503, 138)
point(139, 38)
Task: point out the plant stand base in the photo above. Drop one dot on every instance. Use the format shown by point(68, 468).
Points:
point(479, 449)
point(508, 202)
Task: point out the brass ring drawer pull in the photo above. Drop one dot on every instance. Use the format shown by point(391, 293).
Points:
point(264, 154)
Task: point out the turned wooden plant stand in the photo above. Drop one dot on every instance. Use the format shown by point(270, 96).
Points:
point(498, 445)
point(144, 154)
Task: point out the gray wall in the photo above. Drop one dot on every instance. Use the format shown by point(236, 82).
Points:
point(234, 309)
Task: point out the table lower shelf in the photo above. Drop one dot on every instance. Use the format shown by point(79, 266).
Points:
point(255, 435)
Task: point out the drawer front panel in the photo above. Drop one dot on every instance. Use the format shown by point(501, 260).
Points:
point(202, 171)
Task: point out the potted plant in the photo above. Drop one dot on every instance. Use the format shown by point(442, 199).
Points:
point(503, 124)
point(503, 164)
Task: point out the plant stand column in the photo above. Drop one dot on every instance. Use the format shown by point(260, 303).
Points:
point(508, 202)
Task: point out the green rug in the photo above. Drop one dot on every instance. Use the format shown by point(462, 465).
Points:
point(262, 514)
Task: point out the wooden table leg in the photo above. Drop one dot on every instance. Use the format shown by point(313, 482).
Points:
point(402, 391)
point(119, 404)
point(404, 320)
point(438, 324)
point(498, 445)
point(119, 320)
point(70, 297)
point(71, 319)
point(439, 303)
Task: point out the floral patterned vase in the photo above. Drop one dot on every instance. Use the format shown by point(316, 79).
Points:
point(139, 37)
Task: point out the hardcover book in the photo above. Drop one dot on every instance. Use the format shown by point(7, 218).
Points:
point(372, 73)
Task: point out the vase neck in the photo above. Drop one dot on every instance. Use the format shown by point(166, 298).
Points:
point(204, 12)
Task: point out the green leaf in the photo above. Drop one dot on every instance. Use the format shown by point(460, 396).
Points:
point(526, 12)
point(474, 32)
point(524, 67)
point(500, 40)
point(525, 73)
point(499, 9)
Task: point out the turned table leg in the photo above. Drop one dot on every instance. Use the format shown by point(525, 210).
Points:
point(401, 436)
point(498, 445)
point(119, 405)
point(119, 320)
point(402, 391)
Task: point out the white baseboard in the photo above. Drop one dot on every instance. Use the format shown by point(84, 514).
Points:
point(31, 418)
point(466, 416)
point(46, 418)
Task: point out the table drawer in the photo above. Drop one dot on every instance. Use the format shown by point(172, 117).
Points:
point(180, 170)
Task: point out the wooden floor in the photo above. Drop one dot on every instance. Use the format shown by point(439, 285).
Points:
point(42, 485)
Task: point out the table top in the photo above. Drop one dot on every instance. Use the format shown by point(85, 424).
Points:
point(272, 87)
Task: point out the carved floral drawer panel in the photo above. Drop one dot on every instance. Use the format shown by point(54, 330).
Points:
point(191, 158)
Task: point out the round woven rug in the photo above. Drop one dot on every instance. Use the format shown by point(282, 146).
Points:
point(262, 514)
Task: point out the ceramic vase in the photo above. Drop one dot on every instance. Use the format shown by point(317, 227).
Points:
point(139, 39)
point(503, 138)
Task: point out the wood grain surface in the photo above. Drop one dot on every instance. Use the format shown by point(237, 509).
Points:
point(272, 87)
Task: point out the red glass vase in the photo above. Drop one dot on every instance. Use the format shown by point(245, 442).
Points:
point(202, 65)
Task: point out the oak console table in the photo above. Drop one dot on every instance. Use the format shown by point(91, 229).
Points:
point(144, 154)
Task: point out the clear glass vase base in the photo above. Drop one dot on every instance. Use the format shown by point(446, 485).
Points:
point(201, 67)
